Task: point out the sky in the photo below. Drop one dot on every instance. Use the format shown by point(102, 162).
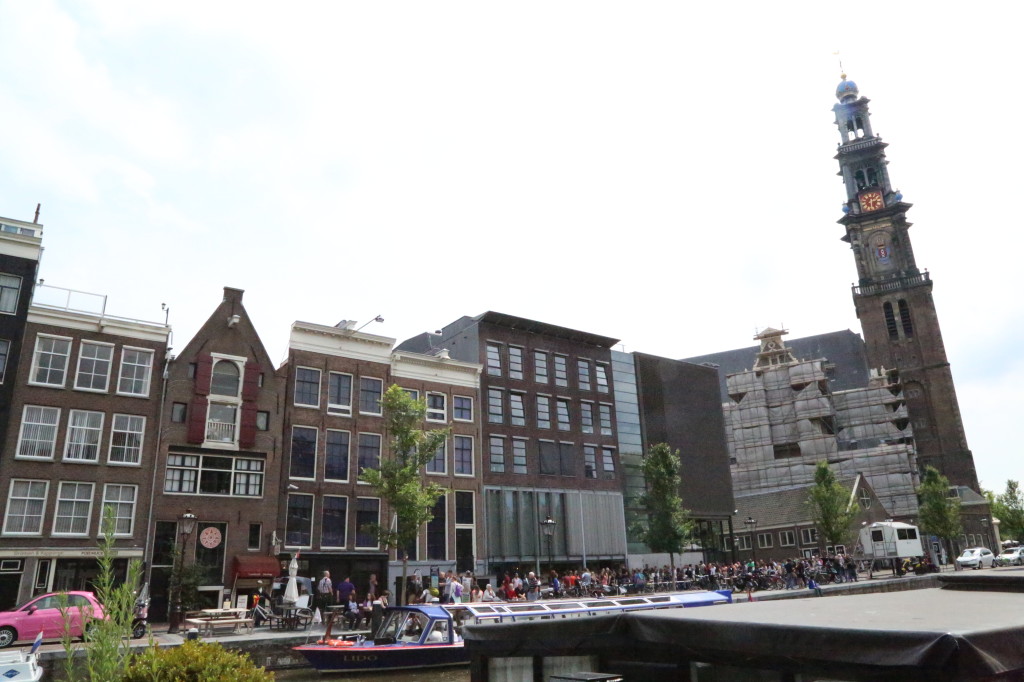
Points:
point(657, 172)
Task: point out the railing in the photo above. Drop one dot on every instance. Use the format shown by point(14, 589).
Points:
point(894, 284)
point(219, 432)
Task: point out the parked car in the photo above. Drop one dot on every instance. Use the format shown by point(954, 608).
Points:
point(42, 614)
point(1013, 556)
point(976, 557)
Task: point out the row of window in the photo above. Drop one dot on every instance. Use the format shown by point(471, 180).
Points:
point(337, 450)
point(339, 399)
point(26, 508)
point(550, 458)
point(214, 475)
point(510, 407)
point(52, 356)
point(510, 361)
point(84, 436)
point(333, 523)
point(787, 538)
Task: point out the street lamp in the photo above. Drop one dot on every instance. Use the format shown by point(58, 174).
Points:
point(547, 527)
point(751, 524)
point(186, 525)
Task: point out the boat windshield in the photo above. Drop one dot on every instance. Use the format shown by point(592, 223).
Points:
point(393, 625)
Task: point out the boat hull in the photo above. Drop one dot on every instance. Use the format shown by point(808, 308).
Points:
point(326, 658)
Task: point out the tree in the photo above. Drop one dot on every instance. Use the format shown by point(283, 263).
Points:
point(398, 481)
point(666, 526)
point(938, 512)
point(831, 506)
point(1009, 509)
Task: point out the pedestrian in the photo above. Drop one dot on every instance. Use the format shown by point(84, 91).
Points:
point(345, 588)
point(325, 593)
point(532, 587)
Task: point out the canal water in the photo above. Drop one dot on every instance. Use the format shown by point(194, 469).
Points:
point(457, 674)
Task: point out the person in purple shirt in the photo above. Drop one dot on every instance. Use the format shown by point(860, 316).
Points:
point(345, 588)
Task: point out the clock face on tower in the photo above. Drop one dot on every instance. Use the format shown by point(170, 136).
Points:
point(210, 537)
point(871, 201)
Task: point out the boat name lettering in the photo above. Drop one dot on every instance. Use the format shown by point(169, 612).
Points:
point(359, 658)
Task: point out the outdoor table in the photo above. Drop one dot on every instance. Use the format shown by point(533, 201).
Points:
point(289, 616)
point(223, 613)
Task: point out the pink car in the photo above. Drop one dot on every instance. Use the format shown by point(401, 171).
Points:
point(42, 614)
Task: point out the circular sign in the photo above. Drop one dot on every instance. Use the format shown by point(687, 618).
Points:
point(210, 537)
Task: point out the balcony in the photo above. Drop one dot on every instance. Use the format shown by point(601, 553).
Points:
point(219, 432)
point(895, 284)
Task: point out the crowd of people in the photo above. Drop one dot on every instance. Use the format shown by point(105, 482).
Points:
point(358, 606)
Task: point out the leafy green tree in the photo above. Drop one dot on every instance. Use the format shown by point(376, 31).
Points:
point(399, 481)
point(1009, 509)
point(938, 512)
point(831, 506)
point(665, 526)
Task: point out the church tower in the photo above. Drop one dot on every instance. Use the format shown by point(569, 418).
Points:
point(893, 297)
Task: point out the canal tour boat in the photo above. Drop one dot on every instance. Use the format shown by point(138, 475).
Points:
point(20, 665)
point(430, 635)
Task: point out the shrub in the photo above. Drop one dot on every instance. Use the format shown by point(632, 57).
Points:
point(195, 662)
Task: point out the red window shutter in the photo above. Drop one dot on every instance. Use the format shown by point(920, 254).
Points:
point(197, 419)
point(247, 434)
point(204, 373)
point(251, 383)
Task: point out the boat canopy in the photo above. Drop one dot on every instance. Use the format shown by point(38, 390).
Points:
point(483, 611)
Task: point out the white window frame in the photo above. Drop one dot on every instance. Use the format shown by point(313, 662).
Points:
point(35, 361)
point(316, 453)
point(537, 402)
point(142, 439)
point(608, 455)
point(586, 409)
point(492, 440)
point(70, 433)
point(491, 413)
point(198, 469)
point(444, 461)
point(348, 469)
point(340, 409)
point(117, 504)
point(808, 536)
point(4, 287)
point(472, 456)
point(380, 408)
point(5, 354)
point(74, 502)
point(435, 414)
point(25, 422)
point(222, 400)
point(743, 543)
point(546, 355)
point(787, 538)
point(581, 364)
point(312, 518)
point(764, 540)
point(380, 452)
point(344, 525)
point(148, 378)
point(295, 387)
point(355, 539)
point(455, 400)
point(11, 498)
point(85, 343)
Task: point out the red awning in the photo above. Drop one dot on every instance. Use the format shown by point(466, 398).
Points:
point(257, 567)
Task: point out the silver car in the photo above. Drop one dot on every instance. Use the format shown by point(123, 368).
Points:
point(1011, 557)
point(976, 557)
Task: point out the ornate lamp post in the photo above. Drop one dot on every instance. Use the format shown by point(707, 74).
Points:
point(186, 526)
point(751, 524)
point(547, 527)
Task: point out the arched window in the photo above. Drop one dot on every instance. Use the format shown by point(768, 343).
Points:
point(908, 325)
point(859, 177)
point(872, 177)
point(860, 127)
point(890, 321)
point(225, 379)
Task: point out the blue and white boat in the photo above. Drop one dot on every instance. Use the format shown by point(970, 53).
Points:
point(429, 635)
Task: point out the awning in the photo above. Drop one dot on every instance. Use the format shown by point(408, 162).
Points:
point(257, 566)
